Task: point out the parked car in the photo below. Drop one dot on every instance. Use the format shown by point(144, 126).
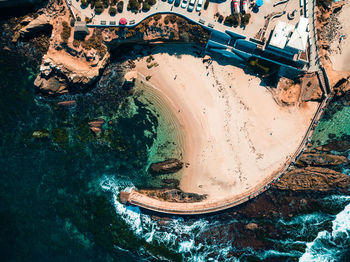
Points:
point(184, 3)
point(191, 5)
point(235, 4)
point(177, 2)
point(199, 5)
point(170, 1)
point(245, 6)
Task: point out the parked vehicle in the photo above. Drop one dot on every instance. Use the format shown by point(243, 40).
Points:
point(235, 4)
point(184, 3)
point(170, 1)
point(191, 5)
point(199, 5)
point(245, 6)
point(177, 2)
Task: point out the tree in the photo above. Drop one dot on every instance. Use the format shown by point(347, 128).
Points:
point(152, 2)
point(98, 8)
point(84, 3)
point(245, 19)
point(146, 7)
point(133, 5)
point(120, 6)
point(232, 20)
point(112, 11)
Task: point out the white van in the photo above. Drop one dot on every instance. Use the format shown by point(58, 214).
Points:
point(199, 5)
point(191, 5)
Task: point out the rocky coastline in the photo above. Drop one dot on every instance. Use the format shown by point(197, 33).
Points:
point(317, 173)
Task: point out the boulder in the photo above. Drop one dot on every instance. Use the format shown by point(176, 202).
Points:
point(67, 103)
point(252, 226)
point(96, 125)
point(39, 25)
point(322, 159)
point(166, 167)
point(316, 179)
point(39, 134)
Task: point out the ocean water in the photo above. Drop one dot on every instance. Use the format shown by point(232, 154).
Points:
point(59, 194)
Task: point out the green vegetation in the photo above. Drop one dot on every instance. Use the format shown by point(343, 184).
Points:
point(324, 3)
point(157, 17)
point(112, 11)
point(245, 19)
point(95, 42)
point(60, 137)
point(99, 8)
point(65, 31)
point(232, 20)
point(221, 18)
point(133, 5)
point(84, 3)
point(120, 6)
point(145, 6)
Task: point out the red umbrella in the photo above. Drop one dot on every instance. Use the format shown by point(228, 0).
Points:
point(122, 21)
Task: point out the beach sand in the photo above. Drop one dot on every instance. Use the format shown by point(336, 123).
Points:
point(340, 50)
point(235, 134)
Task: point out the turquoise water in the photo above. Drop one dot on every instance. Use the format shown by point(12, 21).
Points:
point(338, 125)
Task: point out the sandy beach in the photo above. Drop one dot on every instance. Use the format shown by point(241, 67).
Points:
point(340, 49)
point(235, 134)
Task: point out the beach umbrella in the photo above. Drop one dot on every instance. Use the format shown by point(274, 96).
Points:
point(259, 3)
point(122, 21)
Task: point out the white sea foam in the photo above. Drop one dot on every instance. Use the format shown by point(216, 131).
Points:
point(328, 245)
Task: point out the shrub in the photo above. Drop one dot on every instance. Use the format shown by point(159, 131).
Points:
point(76, 43)
point(245, 19)
point(133, 5)
point(166, 20)
point(206, 4)
point(173, 19)
point(157, 17)
point(84, 3)
point(98, 8)
point(112, 11)
point(146, 7)
point(232, 20)
point(105, 3)
point(65, 31)
point(120, 6)
point(78, 18)
point(152, 2)
point(221, 18)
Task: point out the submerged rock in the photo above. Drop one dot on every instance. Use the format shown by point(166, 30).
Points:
point(166, 167)
point(66, 103)
point(41, 134)
point(252, 226)
point(96, 125)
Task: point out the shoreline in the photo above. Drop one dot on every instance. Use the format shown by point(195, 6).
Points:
point(214, 117)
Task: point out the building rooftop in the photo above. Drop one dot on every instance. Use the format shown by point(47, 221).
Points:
point(80, 26)
point(281, 34)
point(300, 35)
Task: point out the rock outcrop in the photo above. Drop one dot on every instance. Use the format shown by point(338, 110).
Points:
point(314, 179)
point(173, 195)
point(321, 159)
point(341, 145)
point(166, 167)
point(39, 25)
point(96, 125)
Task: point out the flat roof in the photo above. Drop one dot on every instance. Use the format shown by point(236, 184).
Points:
point(300, 35)
point(281, 34)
